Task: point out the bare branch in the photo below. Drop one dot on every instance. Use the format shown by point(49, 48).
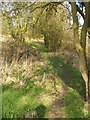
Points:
point(43, 6)
point(80, 11)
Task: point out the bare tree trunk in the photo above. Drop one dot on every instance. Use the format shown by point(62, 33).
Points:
point(83, 40)
point(80, 47)
point(84, 71)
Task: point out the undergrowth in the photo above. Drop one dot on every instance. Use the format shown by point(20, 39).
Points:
point(33, 76)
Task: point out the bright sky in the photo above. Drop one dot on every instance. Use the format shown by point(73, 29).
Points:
point(79, 17)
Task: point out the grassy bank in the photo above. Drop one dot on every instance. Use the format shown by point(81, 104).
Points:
point(40, 84)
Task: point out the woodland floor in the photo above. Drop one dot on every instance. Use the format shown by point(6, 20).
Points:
point(41, 84)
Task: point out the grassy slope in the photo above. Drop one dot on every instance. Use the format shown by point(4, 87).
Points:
point(33, 90)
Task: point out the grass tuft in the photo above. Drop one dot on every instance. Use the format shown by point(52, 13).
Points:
point(74, 105)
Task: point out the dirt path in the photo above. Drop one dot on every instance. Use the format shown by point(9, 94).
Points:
point(57, 109)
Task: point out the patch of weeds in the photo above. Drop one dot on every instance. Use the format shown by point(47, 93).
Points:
point(19, 75)
point(9, 99)
point(45, 69)
point(57, 64)
point(7, 87)
point(41, 111)
point(30, 81)
point(16, 101)
point(77, 81)
point(0, 87)
point(74, 105)
point(27, 80)
point(88, 116)
point(37, 45)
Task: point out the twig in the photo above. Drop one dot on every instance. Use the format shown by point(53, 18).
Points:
point(43, 79)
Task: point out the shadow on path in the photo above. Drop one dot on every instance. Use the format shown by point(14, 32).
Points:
point(69, 75)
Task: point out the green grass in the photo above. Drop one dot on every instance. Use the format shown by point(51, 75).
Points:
point(18, 101)
point(0, 87)
point(38, 45)
point(74, 105)
point(46, 68)
point(41, 110)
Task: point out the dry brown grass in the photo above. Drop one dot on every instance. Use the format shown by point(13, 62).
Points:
point(18, 58)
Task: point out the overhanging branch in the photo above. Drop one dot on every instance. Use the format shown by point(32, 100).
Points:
point(80, 11)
